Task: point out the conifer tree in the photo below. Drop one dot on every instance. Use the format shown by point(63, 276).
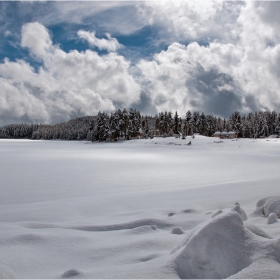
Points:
point(102, 127)
point(176, 123)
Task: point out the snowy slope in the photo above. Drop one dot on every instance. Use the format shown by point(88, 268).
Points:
point(108, 210)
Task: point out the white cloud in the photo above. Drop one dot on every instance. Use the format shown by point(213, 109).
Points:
point(70, 84)
point(36, 38)
point(110, 44)
point(193, 19)
point(238, 72)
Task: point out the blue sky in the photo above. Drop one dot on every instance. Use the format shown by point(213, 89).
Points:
point(60, 60)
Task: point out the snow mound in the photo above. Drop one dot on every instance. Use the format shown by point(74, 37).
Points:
point(256, 230)
point(177, 230)
point(6, 273)
point(272, 218)
point(130, 225)
point(143, 229)
point(28, 238)
point(149, 257)
point(222, 247)
point(217, 213)
point(72, 273)
point(240, 211)
point(189, 211)
point(268, 205)
point(40, 226)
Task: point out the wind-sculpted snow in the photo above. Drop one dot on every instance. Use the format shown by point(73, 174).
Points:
point(268, 205)
point(272, 218)
point(240, 211)
point(256, 230)
point(131, 225)
point(223, 247)
point(72, 273)
point(118, 210)
point(7, 273)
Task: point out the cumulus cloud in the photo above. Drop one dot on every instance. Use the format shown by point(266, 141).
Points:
point(67, 85)
point(110, 44)
point(238, 68)
point(223, 76)
point(219, 78)
point(36, 38)
point(193, 20)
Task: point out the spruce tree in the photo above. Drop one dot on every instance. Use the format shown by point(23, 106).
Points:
point(176, 123)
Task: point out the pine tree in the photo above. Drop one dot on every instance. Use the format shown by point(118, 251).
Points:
point(176, 123)
point(235, 123)
point(114, 125)
point(133, 123)
point(102, 127)
point(125, 122)
point(187, 123)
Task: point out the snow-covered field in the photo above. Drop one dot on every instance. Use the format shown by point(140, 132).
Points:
point(138, 209)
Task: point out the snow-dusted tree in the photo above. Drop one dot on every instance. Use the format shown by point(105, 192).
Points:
point(235, 123)
point(145, 125)
point(277, 124)
point(187, 123)
point(102, 127)
point(91, 129)
point(195, 122)
point(157, 120)
point(176, 125)
point(219, 124)
point(209, 125)
point(133, 123)
point(125, 121)
point(115, 125)
point(203, 129)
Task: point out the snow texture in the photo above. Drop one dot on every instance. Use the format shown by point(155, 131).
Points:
point(221, 248)
point(217, 213)
point(272, 218)
point(76, 209)
point(268, 205)
point(6, 273)
point(177, 230)
point(240, 211)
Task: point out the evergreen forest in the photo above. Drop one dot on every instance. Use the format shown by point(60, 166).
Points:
point(130, 124)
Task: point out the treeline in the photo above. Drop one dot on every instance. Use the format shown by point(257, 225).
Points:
point(254, 125)
point(75, 129)
point(123, 124)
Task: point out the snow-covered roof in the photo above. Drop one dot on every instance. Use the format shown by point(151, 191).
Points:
point(273, 136)
point(228, 133)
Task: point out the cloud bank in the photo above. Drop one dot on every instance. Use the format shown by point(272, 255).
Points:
point(238, 72)
point(67, 85)
point(220, 57)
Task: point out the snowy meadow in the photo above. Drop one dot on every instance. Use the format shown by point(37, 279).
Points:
point(149, 208)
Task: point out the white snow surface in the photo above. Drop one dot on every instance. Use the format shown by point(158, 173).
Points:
point(272, 218)
point(76, 209)
point(240, 211)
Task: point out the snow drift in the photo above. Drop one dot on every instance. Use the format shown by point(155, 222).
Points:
point(116, 210)
point(240, 211)
point(222, 247)
point(268, 205)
